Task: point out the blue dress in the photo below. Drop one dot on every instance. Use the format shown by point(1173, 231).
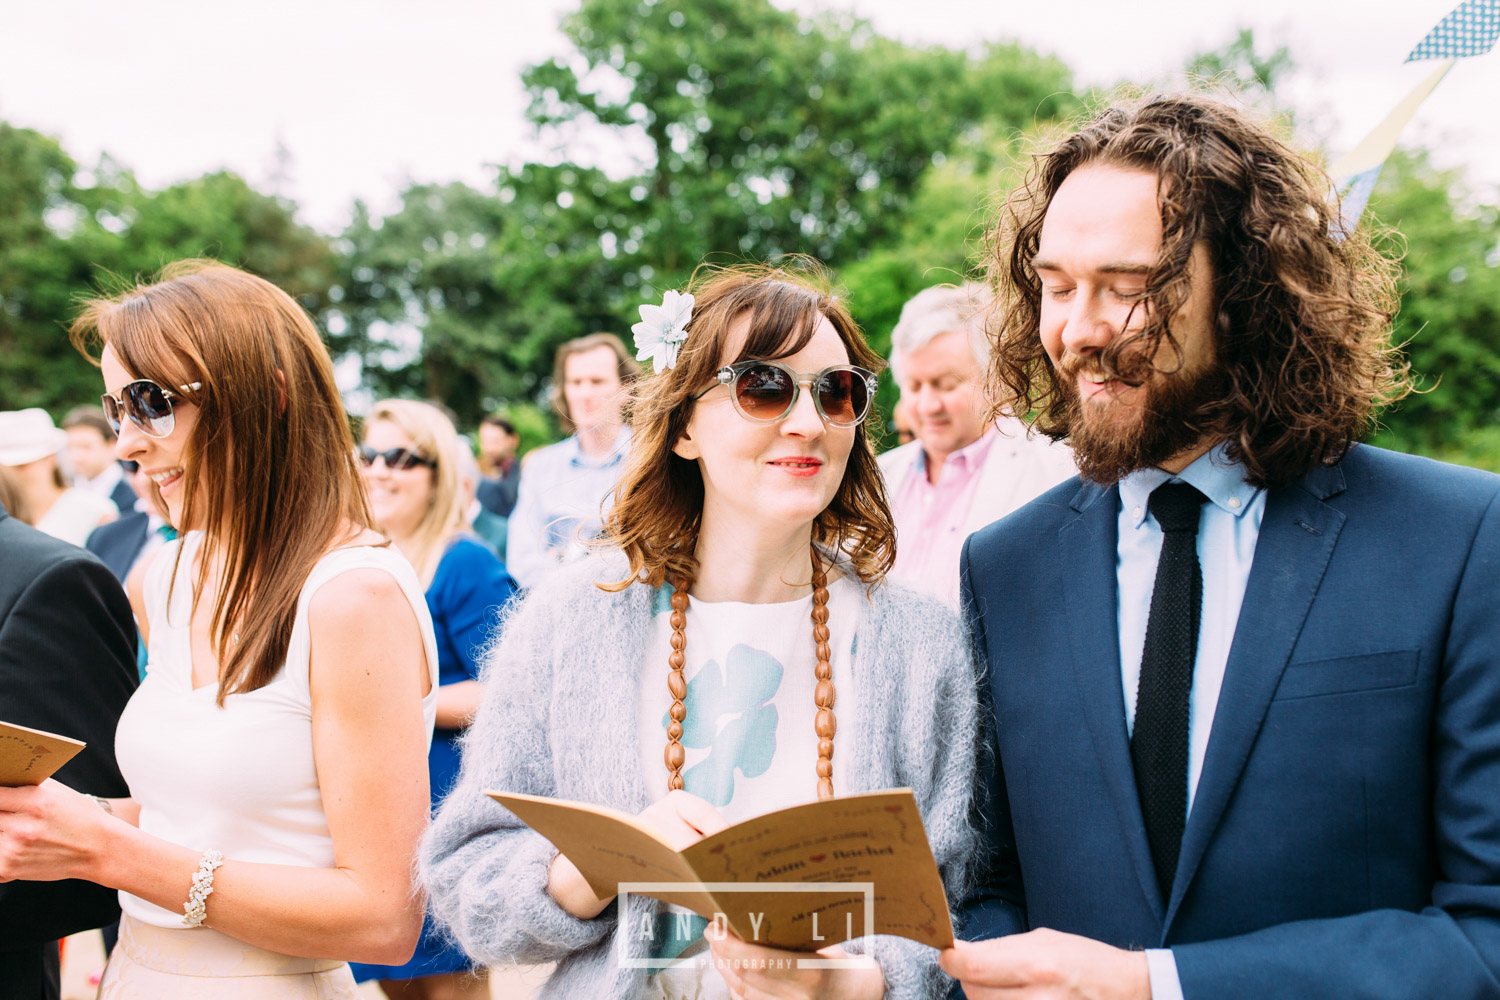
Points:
point(465, 596)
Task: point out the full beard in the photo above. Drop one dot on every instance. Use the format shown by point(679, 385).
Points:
point(1111, 439)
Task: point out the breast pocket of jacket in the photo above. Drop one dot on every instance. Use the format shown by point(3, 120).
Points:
point(1349, 674)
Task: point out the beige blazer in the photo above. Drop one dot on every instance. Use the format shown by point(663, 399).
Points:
point(1017, 470)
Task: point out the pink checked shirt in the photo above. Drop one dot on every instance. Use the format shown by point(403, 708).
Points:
point(930, 518)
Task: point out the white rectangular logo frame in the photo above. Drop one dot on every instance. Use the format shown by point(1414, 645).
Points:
point(867, 889)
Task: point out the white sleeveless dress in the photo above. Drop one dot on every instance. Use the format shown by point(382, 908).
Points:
point(241, 779)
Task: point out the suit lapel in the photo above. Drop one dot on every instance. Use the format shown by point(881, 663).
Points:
point(1089, 547)
point(1296, 541)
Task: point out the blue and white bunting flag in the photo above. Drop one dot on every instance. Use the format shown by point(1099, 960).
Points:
point(1470, 29)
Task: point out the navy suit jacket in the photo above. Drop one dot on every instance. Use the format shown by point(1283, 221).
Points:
point(1344, 839)
point(119, 542)
point(123, 496)
point(67, 665)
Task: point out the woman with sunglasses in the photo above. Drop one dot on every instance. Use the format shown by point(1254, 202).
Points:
point(733, 650)
point(413, 474)
point(276, 750)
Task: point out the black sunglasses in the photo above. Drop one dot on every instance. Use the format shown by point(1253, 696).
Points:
point(767, 391)
point(147, 404)
point(394, 458)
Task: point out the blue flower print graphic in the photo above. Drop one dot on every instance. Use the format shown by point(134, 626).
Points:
point(728, 712)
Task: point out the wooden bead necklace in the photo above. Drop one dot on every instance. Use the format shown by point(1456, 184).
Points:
point(823, 696)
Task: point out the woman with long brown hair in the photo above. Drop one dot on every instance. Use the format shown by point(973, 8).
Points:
point(276, 750)
point(733, 650)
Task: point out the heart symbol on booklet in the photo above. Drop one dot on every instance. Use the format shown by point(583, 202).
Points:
point(818, 858)
point(893, 809)
point(717, 850)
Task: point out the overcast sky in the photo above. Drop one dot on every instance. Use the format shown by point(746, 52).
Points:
point(368, 95)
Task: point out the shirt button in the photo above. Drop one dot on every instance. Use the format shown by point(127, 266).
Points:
point(1136, 513)
point(1234, 501)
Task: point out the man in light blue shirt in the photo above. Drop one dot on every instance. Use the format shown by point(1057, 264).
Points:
point(1245, 673)
point(565, 487)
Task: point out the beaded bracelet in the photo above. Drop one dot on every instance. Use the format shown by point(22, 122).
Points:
point(196, 908)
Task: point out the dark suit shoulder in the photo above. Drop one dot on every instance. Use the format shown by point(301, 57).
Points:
point(29, 552)
point(1412, 477)
point(121, 527)
point(123, 496)
point(1039, 518)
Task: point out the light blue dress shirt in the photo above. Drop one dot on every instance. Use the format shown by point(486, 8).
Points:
point(558, 508)
point(1226, 547)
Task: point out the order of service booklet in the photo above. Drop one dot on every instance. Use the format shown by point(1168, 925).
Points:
point(875, 838)
point(31, 756)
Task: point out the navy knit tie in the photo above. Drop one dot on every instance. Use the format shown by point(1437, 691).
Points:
point(1159, 741)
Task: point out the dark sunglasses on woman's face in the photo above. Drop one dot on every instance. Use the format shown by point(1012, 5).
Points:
point(147, 404)
point(394, 458)
point(767, 391)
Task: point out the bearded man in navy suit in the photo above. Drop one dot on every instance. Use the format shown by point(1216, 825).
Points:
point(1245, 673)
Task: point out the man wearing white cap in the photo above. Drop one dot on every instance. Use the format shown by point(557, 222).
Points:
point(29, 445)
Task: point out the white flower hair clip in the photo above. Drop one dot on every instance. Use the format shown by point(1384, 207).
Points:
point(662, 329)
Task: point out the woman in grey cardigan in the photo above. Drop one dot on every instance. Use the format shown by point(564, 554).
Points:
point(706, 666)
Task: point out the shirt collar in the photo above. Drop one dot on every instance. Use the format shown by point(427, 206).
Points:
point(577, 458)
point(968, 458)
point(105, 481)
point(1213, 473)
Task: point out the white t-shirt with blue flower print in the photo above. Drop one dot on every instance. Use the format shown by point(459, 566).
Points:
point(749, 739)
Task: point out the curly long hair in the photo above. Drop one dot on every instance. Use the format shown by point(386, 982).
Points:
point(1302, 307)
point(658, 506)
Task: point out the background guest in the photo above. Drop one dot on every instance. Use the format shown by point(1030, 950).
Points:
point(965, 469)
point(11, 497)
point(30, 444)
point(413, 461)
point(901, 422)
point(488, 526)
point(499, 465)
point(559, 507)
point(141, 529)
point(91, 457)
point(67, 666)
point(126, 544)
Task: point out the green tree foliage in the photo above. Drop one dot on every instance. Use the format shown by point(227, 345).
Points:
point(65, 233)
point(768, 133)
point(727, 129)
point(36, 267)
point(747, 132)
point(1240, 65)
point(462, 294)
point(1450, 310)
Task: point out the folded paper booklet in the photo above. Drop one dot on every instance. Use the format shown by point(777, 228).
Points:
point(875, 838)
point(30, 756)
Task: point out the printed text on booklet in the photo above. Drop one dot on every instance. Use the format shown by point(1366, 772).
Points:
point(875, 838)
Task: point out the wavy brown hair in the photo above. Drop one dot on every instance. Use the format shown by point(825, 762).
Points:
point(274, 481)
point(1303, 308)
point(658, 506)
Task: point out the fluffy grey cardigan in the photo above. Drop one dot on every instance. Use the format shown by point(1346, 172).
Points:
point(559, 719)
